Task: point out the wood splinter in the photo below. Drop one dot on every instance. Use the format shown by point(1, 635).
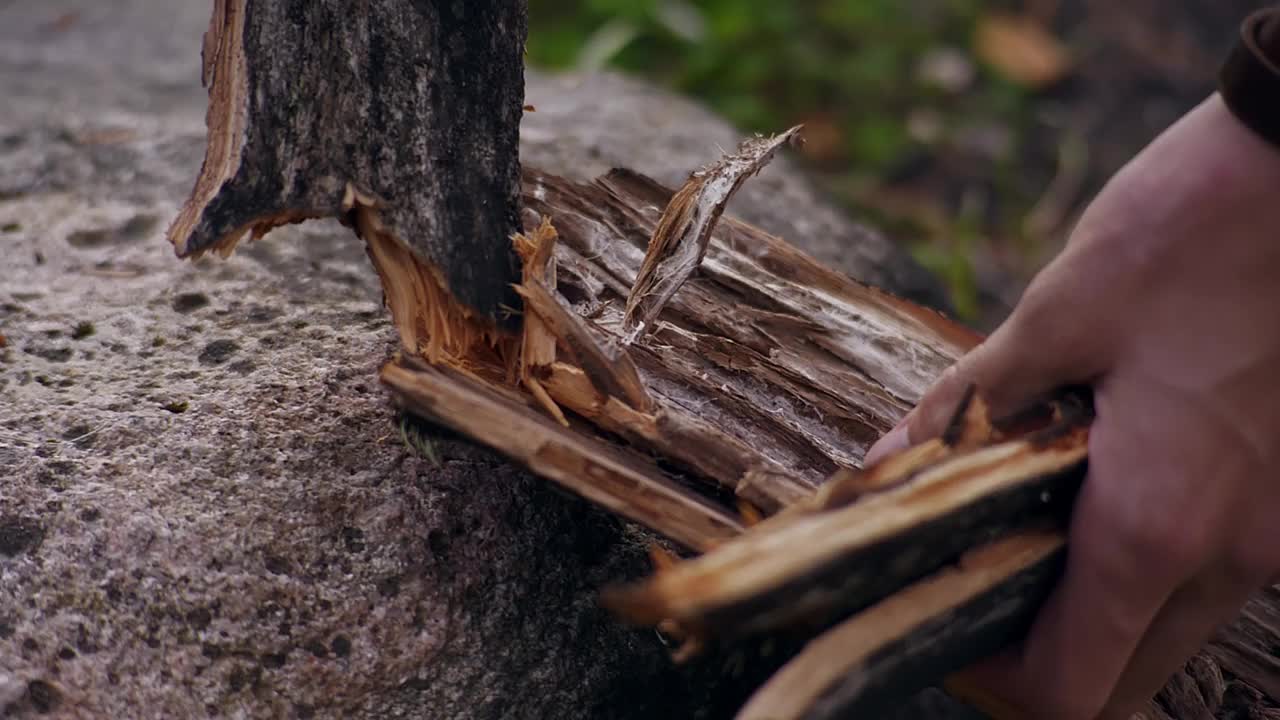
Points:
point(538, 343)
point(680, 241)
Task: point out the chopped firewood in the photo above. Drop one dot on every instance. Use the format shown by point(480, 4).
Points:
point(538, 347)
point(766, 376)
point(817, 568)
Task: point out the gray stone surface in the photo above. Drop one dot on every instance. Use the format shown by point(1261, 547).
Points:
point(206, 509)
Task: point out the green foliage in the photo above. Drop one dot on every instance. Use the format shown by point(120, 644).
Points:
point(847, 68)
point(950, 262)
point(414, 435)
point(765, 63)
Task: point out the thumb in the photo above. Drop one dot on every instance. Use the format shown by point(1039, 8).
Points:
point(1041, 347)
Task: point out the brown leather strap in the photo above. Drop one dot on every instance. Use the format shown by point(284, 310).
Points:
point(1249, 80)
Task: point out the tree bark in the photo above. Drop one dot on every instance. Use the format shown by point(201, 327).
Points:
point(408, 109)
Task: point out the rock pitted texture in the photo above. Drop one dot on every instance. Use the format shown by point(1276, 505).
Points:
point(206, 505)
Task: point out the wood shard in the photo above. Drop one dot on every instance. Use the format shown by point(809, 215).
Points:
point(586, 465)
point(429, 318)
point(867, 664)
point(680, 241)
point(538, 342)
point(610, 370)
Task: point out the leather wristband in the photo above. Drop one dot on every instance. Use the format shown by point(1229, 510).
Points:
point(1249, 79)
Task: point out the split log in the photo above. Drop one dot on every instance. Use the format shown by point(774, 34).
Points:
point(1250, 646)
point(752, 396)
point(702, 378)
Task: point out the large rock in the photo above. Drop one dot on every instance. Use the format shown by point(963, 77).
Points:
point(207, 508)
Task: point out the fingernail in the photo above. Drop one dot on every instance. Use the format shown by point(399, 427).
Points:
point(892, 442)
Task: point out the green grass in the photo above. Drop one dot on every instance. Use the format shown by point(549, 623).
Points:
point(847, 68)
point(414, 435)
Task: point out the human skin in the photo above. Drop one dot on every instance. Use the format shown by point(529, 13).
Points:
point(1166, 301)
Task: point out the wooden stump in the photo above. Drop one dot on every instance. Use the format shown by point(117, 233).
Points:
point(406, 111)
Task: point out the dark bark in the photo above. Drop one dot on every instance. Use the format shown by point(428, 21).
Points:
point(867, 665)
point(833, 572)
point(1249, 648)
point(411, 106)
point(1182, 698)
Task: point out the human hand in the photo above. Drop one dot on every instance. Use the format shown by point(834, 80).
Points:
point(1166, 300)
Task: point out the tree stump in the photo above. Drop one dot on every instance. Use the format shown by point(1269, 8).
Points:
point(407, 113)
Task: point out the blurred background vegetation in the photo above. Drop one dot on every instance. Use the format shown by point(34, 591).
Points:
point(973, 131)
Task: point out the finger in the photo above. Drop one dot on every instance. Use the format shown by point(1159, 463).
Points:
point(1055, 336)
point(1039, 348)
point(890, 443)
point(1010, 368)
point(1071, 659)
point(1184, 625)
